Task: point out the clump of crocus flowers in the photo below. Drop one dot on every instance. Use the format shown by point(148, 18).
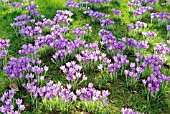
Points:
point(28, 49)
point(9, 101)
point(29, 31)
point(63, 17)
point(32, 9)
point(161, 17)
point(4, 44)
point(140, 24)
point(64, 49)
point(131, 42)
point(168, 30)
point(119, 63)
point(149, 34)
point(162, 49)
point(45, 22)
point(73, 71)
point(78, 31)
point(110, 41)
point(106, 22)
point(16, 4)
point(22, 67)
point(141, 11)
point(95, 14)
point(129, 111)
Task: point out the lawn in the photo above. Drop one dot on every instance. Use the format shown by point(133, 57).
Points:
point(124, 91)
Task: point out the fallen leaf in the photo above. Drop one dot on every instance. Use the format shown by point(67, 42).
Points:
point(12, 85)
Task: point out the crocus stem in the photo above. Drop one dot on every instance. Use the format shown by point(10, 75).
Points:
point(126, 81)
point(148, 96)
point(111, 77)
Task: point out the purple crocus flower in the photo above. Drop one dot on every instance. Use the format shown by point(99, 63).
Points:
point(21, 107)
point(126, 72)
point(142, 10)
point(18, 101)
point(128, 111)
point(130, 26)
point(4, 0)
point(168, 28)
point(16, 4)
point(149, 34)
point(162, 49)
point(168, 41)
point(117, 12)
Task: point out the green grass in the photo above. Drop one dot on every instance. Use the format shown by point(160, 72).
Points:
point(121, 96)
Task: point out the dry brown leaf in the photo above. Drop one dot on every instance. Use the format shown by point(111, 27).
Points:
point(12, 85)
